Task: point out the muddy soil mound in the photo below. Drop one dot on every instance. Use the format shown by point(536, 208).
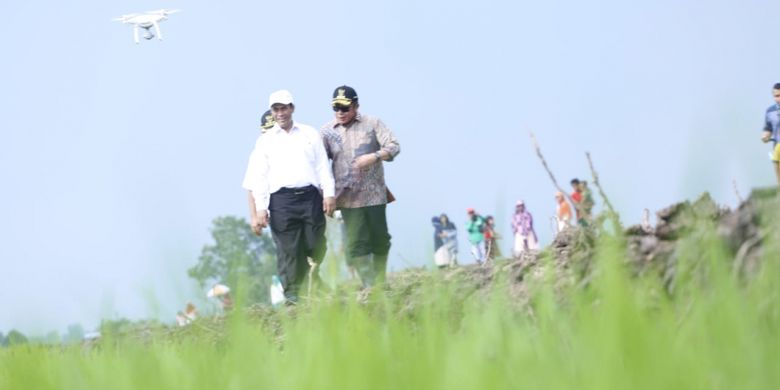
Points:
point(693, 231)
point(686, 237)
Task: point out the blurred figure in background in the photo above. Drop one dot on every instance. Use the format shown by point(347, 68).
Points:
point(523, 229)
point(190, 314)
point(771, 128)
point(587, 203)
point(445, 242)
point(491, 239)
point(476, 228)
point(266, 122)
point(221, 292)
point(562, 212)
point(576, 197)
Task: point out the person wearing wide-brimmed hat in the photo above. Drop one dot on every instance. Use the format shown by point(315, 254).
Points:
point(358, 146)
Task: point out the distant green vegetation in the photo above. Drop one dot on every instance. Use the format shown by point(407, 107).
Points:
point(608, 327)
point(235, 255)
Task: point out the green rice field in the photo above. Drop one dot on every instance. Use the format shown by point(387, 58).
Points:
point(611, 328)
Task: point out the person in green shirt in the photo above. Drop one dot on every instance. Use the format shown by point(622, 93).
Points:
point(476, 228)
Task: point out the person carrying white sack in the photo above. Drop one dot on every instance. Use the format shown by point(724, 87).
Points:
point(445, 242)
point(523, 229)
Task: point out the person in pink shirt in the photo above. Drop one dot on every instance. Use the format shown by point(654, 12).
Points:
point(523, 228)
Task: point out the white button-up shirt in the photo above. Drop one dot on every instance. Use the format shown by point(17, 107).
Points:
point(288, 159)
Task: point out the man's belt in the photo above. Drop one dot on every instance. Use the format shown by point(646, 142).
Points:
point(296, 190)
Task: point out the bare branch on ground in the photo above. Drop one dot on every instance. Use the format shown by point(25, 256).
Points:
point(577, 206)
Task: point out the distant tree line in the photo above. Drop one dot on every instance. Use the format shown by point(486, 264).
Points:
point(237, 257)
point(74, 334)
point(14, 337)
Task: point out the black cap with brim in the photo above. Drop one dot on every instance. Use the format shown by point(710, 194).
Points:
point(344, 96)
point(267, 121)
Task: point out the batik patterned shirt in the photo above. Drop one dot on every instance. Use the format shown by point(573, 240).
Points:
point(343, 144)
point(523, 223)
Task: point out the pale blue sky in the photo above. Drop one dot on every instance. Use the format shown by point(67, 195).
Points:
point(116, 157)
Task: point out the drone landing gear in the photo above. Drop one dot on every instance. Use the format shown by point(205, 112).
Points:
point(148, 36)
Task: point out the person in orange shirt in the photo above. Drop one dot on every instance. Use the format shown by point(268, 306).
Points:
point(563, 212)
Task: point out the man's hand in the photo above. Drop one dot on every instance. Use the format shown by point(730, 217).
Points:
point(365, 161)
point(329, 205)
point(766, 136)
point(260, 222)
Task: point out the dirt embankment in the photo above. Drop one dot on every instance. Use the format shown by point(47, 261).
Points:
point(686, 235)
point(684, 241)
point(702, 229)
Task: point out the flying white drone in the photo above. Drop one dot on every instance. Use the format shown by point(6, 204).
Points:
point(146, 21)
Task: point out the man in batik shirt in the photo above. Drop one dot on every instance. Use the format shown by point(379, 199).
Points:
point(357, 145)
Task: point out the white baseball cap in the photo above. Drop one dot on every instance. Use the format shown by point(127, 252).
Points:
point(282, 96)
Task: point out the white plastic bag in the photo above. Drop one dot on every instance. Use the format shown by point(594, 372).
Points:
point(443, 256)
point(277, 291)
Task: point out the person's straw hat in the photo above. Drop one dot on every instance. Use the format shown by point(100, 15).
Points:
point(218, 290)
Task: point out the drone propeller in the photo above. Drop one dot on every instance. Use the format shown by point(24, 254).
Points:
point(124, 18)
point(164, 11)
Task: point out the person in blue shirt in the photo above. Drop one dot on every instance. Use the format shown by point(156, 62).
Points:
point(771, 128)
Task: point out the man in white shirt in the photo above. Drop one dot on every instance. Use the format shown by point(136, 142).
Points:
point(292, 188)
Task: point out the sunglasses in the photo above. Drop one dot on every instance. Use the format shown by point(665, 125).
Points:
point(341, 108)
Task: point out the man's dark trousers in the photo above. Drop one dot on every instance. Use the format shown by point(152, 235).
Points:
point(298, 228)
point(367, 235)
